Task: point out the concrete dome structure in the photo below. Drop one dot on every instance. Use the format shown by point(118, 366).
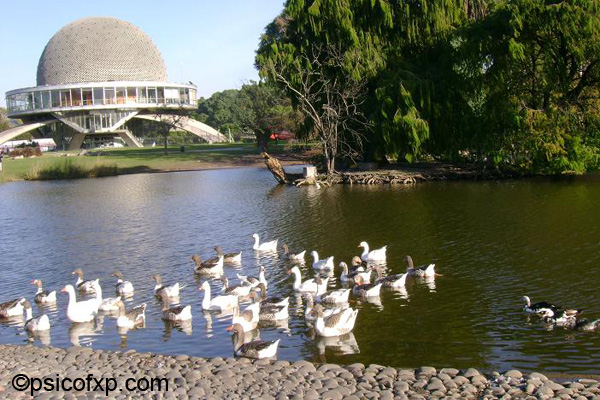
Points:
point(100, 49)
point(94, 76)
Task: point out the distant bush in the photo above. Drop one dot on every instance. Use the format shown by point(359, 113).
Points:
point(68, 169)
point(26, 151)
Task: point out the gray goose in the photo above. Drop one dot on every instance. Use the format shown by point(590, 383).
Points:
point(169, 291)
point(176, 313)
point(271, 300)
point(390, 281)
point(255, 349)
point(365, 289)
point(12, 308)
point(88, 286)
point(212, 266)
point(229, 257)
point(135, 317)
point(292, 255)
point(424, 271)
point(43, 296)
point(270, 312)
point(237, 290)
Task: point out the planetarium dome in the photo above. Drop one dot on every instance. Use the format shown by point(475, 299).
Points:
point(100, 49)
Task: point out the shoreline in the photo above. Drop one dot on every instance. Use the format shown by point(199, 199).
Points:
point(216, 378)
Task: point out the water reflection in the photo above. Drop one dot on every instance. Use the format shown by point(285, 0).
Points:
point(338, 345)
point(495, 240)
point(42, 336)
point(86, 331)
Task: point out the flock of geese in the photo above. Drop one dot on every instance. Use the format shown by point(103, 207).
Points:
point(327, 310)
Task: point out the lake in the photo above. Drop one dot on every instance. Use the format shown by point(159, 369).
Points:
point(493, 242)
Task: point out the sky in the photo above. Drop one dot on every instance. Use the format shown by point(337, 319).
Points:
point(211, 43)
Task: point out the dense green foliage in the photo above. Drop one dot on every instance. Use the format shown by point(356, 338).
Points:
point(257, 108)
point(4, 124)
point(513, 84)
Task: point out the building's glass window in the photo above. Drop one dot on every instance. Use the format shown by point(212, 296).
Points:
point(86, 97)
point(65, 98)
point(171, 95)
point(142, 95)
point(55, 98)
point(121, 95)
point(151, 95)
point(98, 96)
point(37, 99)
point(46, 99)
point(160, 93)
point(76, 97)
point(131, 95)
point(109, 95)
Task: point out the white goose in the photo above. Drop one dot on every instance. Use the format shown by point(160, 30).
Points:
point(132, 318)
point(169, 291)
point(346, 276)
point(325, 264)
point(41, 323)
point(336, 324)
point(266, 246)
point(124, 288)
point(373, 255)
point(255, 349)
point(248, 319)
point(80, 311)
point(43, 296)
point(84, 286)
point(217, 303)
point(309, 285)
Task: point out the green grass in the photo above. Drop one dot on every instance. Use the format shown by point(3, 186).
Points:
point(59, 165)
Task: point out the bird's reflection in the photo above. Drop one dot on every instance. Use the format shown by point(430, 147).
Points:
point(42, 336)
point(399, 292)
point(79, 329)
point(338, 345)
point(182, 326)
point(430, 282)
point(209, 322)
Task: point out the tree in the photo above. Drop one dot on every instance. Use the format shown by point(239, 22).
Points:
point(331, 105)
point(4, 123)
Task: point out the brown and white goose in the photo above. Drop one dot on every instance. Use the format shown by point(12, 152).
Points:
point(123, 288)
point(43, 296)
point(310, 314)
point(362, 289)
point(270, 312)
point(83, 285)
point(41, 323)
point(248, 318)
point(175, 313)
point(12, 308)
point(254, 349)
point(253, 281)
point(237, 290)
point(292, 255)
point(271, 300)
point(162, 290)
point(390, 281)
point(336, 324)
point(348, 277)
point(333, 296)
point(136, 317)
point(213, 266)
point(229, 257)
point(424, 271)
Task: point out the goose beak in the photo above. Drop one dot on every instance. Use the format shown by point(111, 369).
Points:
point(32, 282)
point(229, 328)
point(436, 274)
point(289, 271)
point(64, 290)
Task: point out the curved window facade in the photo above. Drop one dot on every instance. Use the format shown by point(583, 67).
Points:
point(99, 95)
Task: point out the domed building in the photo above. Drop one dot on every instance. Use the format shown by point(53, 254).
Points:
point(94, 77)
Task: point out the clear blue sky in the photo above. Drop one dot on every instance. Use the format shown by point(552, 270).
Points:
point(210, 43)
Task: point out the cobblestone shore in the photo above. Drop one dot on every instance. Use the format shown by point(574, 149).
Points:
point(218, 378)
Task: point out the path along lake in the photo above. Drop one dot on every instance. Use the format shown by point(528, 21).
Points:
point(493, 242)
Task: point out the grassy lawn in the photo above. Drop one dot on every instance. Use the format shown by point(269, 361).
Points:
point(147, 159)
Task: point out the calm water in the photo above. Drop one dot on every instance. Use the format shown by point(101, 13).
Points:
point(493, 242)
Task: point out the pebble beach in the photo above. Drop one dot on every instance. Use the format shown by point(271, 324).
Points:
point(229, 378)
